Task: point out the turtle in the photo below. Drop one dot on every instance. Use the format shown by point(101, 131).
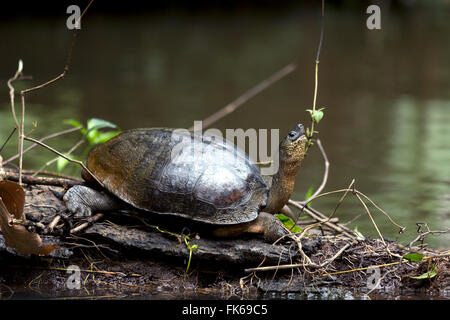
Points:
point(199, 178)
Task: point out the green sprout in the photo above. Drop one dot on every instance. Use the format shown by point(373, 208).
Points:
point(191, 250)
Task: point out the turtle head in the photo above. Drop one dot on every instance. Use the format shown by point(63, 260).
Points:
point(291, 153)
point(293, 146)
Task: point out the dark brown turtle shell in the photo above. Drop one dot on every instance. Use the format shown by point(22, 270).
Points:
point(175, 172)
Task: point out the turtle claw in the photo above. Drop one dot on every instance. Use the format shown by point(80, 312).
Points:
point(75, 202)
point(82, 201)
point(82, 212)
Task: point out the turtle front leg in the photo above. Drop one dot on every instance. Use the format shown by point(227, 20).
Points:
point(266, 223)
point(269, 225)
point(82, 201)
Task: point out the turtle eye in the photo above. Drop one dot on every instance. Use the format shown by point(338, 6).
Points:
point(293, 134)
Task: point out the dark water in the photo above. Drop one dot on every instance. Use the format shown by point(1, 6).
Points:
point(386, 93)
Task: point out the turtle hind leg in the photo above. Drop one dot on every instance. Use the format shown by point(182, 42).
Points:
point(266, 224)
point(82, 201)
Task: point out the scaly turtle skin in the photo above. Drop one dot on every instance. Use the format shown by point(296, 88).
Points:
point(204, 179)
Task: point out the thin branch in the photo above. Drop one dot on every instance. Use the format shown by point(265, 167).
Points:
point(371, 218)
point(42, 173)
point(321, 30)
point(316, 215)
point(325, 174)
point(56, 159)
point(66, 67)
point(247, 96)
point(342, 199)
point(65, 157)
point(338, 254)
point(62, 182)
point(309, 263)
point(11, 95)
point(383, 212)
point(91, 221)
point(21, 135)
point(53, 135)
point(53, 224)
point(422, 234)
point(300, 205)
point(23, 92)
point(316, 76)
point(365, 268)
point(13, 109)
point(7, 139)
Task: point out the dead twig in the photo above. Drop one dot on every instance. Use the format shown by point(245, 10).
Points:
point(423, 234)
point(7, 139)
point(371, 218)
point(325, 174)
point(62, 182)
point(338, 254)
point(53, 135)
point(65, 157)
point(91, 221)
point(351, 186)
point(53, 224)
point(316, 215)
point(365, 268)
point(18, 76)
point(32, 173)
point(310, 133)
point(247, 96)
point(300, 205)
point(56, 159)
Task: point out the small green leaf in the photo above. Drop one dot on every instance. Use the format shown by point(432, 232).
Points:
point(91, 136)
point(427, 275)
point(413, 257)
point(101, 137)
point(20, 67)
point(358, 233)
point(73, 123)
point(95, 123)
point(94, 136)
point(61, 163)
point(309, 193)
point(317, 115)
point(288, 223)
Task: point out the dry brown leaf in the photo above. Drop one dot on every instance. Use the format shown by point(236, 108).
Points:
point(13, 197)
point(12, 201)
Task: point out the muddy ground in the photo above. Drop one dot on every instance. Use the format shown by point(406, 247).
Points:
point(134, 256)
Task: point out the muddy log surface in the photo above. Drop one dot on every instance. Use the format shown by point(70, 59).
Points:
point(130, 255)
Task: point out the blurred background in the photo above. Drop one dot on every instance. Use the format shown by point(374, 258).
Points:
point(386, 92)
